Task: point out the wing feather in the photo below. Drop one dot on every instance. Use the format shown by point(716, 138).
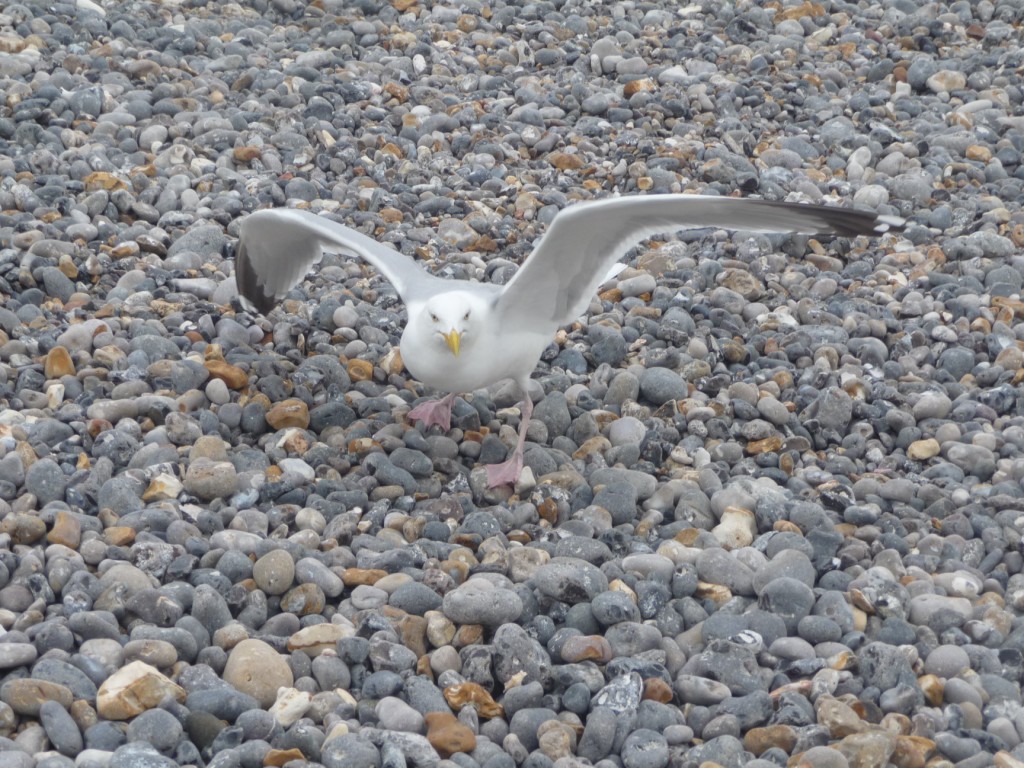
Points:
point(555, 284)
point(278, 247)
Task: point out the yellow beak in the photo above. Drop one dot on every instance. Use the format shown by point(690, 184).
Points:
point(453, 338)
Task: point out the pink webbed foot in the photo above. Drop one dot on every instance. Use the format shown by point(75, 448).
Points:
point(506, 473)
point(434, 412)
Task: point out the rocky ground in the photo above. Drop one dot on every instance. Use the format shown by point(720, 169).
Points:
point(774, 496)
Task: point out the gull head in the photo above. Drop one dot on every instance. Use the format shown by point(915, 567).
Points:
point(454, 319)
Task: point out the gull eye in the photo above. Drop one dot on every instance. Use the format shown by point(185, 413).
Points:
point(434, 317)
point(466, 316)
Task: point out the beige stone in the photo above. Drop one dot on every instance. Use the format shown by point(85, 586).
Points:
point(288, 413)
point(838, 717)
point(736, 529)
point(133, 689)
point(922, 450)
point(255, 668)
point(316, 639)
point(26, 695)
point(291, 704)
point(274, 572)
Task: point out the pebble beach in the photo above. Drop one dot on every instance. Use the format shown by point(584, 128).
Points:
point(773, 500)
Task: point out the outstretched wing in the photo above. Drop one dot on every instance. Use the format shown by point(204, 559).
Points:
point(555, 284)
point(277, 248)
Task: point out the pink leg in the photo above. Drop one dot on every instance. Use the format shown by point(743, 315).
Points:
point(434, 412)
point(507, 473)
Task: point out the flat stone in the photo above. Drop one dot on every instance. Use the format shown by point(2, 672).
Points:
point(26, 695)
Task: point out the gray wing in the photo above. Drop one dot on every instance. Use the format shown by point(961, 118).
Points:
point(277, 248)
point(557, 281)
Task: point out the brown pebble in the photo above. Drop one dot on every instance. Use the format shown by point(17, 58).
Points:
point(119, 535)
point(58, 363)
point(288, 413)
point(586, 648)
point(67, 530)
point(413, 632)
point(354, 577)
point(278, 757)
point(83, 713)
point(564, 161)
point(303, 600)
point(462, 694)
point(767, 445)
point(360, 370)
point(246, 154)
point(759, 740)
point(232, 375)
point(448, 735)
point(638, 86)
point(656, 689)
point(467, 635)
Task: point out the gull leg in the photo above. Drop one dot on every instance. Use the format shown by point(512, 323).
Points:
point(434, 412)
point(507, 473)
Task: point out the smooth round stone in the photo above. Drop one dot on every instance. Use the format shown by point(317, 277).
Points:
point(922, 608)
point(947, 661)
point(958, 691)
point(396, 715)
point(957, 748)
point(61, 729)
point(791, 562)
point(717, 566)
point(701, 691)
point(274, 572)
point(255, 668)
point(331, 672)
point(310, 570)
point(16, 654)
point(26, 695)
point(158, 728)
point(480, 602)
point(649, 566)
point(644, 748)
point(415, 598)
point(156, 653)
point(660, 385)
point(570, 580)
point(788, 598)
point(612, 607)
point(626, 431)
point(818, 629)
point(792, 648)
point(349, 749)
point(364, 597)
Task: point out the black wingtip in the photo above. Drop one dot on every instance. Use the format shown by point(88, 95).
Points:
point(249, 286)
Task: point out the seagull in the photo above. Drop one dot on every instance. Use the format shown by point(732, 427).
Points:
point(462, 335)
